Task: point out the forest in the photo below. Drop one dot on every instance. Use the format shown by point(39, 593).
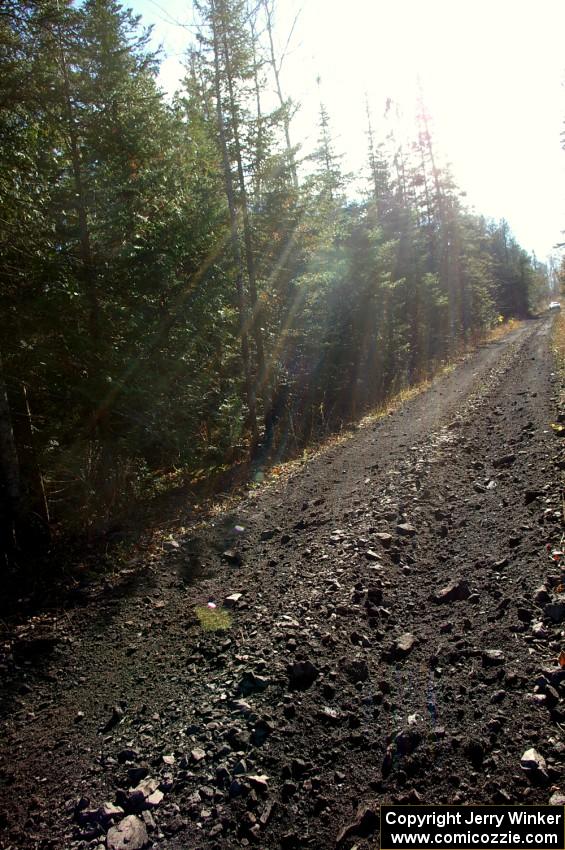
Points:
point(182, 288)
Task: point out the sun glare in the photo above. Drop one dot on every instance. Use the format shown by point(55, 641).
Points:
point(491, 75)
point(491, 72)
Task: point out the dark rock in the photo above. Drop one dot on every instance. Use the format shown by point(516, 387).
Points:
point(238, 738)
point(542, 597)
point(250, 682)
point(555, 611)
point(206, 792)
point(136, 774)
point(259, 783)
point(407, 741)
point(551, 696)
point(356, 669)
point(87, 816)
point(290, 841)
point(553, 675)
point(302, 674)
point(238, 788)
point(299, 767)
point(288, 790)
point(375, 595)
point(365, 824)
point(175, 825)
point(454, 592)
point(117, 717)
point(384, 538)
point(359, 639)
point(127, 755)
point(289, 711)
point(263, 728)
point(222, 776)
point(388, 761)
point(504, 461)
point(248, 821)
point(232, 557)
point(493, 658)
point(137, 799)
point(498, 697)
point(475, 752)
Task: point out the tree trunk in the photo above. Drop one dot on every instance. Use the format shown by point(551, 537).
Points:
point(276, 73)
point(263, 378)
point(241, 301)
point(10, 491)
point(87, 266)
point(259, 149)
point(372, 159)
point(33, 490)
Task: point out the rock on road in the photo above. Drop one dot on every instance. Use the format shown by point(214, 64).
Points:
point(392, 629)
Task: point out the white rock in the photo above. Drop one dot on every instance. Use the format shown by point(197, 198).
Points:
point(532, 760)
point(129, 834)
point(232, 600)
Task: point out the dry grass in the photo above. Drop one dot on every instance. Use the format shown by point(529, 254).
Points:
point(213, 619)
point(502, 329)
point(558, 345)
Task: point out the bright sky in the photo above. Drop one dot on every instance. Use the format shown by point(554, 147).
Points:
point(492, 72)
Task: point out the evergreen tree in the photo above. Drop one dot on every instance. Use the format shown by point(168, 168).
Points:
point(167, 282)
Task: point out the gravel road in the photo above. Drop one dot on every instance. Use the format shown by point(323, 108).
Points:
point(387, 629)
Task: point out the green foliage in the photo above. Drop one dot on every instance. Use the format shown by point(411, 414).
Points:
point(213, 619)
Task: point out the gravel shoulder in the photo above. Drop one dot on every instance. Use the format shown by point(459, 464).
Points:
point(387, 628)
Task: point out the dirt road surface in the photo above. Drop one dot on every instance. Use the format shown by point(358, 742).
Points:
point(396, 640)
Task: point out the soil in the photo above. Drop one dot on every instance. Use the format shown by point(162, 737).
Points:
point(396, 640)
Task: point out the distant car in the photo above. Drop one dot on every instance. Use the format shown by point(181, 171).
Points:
point(555, 305)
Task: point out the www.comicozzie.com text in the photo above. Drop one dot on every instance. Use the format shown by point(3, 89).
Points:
point(501, 821)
